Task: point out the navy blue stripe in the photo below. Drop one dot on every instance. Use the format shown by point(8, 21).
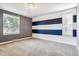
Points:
point(51, 32)
point(74, 33)
point(74, 18)
point(51, 21)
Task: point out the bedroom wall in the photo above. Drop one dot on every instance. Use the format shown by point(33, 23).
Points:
point(51, 27)
point(25, 27)
point(78, 26)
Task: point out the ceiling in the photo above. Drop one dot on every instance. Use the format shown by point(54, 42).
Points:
point(38, 10)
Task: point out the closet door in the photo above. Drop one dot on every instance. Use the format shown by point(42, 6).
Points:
point(67, 20)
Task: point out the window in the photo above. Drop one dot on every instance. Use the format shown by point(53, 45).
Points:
point(11, 24)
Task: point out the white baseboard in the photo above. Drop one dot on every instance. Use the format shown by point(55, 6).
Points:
point(15, 40)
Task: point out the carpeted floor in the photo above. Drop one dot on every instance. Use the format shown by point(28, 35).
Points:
point(37, 47)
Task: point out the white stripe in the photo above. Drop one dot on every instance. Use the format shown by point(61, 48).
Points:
point(75, 26)
point(60, 39)
point(52, 26)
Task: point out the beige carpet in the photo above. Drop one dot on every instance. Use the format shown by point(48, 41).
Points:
point(37, 47)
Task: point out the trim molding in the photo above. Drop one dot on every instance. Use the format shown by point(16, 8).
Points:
point(16, 40)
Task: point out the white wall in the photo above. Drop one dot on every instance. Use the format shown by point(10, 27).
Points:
point(62, 39)
point(55, 15)
point(78, 26)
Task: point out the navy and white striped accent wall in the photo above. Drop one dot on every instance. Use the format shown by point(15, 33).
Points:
point(52, 26)
point(48, 27)
point(59, 27)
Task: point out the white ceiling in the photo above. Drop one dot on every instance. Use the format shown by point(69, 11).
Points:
point(38, 10)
